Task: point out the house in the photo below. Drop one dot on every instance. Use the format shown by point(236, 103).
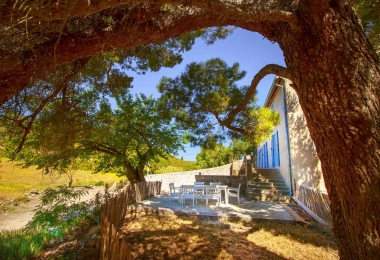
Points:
point(291, 150)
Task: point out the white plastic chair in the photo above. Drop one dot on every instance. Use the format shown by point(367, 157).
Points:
point(173, 193)
point(212, 192)
point(199, 188)
point(187, 192)
point(234, 192)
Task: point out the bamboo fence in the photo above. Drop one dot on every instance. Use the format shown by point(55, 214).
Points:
point(112, 242)
point(316, 201)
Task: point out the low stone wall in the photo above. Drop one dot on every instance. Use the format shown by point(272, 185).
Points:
point(180, 178)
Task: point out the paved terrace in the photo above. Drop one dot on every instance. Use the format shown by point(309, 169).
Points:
point(246, 211)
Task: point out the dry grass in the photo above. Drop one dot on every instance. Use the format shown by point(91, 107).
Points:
point(171, 237)
point(15, 181)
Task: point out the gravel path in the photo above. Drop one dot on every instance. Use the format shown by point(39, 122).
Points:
point(24, 213)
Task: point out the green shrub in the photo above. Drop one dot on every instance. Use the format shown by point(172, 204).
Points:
point(20, 244)
point(59, 211)
point(23, 199)
point(99, 183)
point(58, 208)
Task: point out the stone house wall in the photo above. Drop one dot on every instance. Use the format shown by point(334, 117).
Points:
point(180, 178)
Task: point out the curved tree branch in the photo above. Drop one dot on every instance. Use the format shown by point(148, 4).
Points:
point(101, 148)
point(79, 65)
point(266, 70)
point(16, 12)
point(222, 123)
point(135, 26)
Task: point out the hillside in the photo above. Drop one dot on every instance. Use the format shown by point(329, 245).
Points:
point(15, 181)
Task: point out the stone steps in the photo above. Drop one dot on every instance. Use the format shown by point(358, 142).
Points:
point(259, 191)
point(265, 197)
point(267, 185)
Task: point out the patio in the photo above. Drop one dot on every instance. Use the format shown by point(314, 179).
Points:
point(246, 211)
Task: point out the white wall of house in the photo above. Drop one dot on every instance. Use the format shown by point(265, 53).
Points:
point(304, 166)
point(278, 106)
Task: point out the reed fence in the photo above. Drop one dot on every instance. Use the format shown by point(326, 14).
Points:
point(316, 201)
point(112, 243)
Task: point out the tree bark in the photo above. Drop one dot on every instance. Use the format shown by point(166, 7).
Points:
point(134, 174)
point(337, 78)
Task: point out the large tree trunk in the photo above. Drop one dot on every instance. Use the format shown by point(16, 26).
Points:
point(134, 174)
point(337, 78)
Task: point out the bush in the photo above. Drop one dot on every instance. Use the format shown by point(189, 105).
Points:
point(99, 183)
point(58, 208)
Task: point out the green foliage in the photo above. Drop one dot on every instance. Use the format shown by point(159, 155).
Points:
point(158, 165)
point(58, 208)
point(369, 11)
point(169, 169)
point(172, 164)
point(129, 137)
point(120, 141)
point(58, 212)
point(50, 119)
point(99, 183)
point(240, 148)
point(203, 97)
point(22, 244)
point(221, 155)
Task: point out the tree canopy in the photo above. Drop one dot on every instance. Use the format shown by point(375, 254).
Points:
point(123, 140)
point(208, 101)
point(131, 136)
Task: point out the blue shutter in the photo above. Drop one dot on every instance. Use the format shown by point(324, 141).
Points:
point(259, 158)
point(273, 151)
point(278, 150)
point(266, 156)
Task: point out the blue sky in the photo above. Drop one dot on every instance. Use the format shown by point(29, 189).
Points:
point(249, 49)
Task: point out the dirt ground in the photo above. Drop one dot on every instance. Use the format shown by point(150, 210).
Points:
point(17, 217)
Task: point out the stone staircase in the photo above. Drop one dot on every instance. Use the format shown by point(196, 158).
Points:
point(267, 185)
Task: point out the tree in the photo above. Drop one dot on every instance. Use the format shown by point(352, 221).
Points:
point(334, 68)
point(221, 155)
point(122, 140)
point(128, 138)
point(214, 157)
point(210, 104)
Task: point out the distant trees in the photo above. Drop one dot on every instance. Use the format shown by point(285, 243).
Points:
point(221, 155)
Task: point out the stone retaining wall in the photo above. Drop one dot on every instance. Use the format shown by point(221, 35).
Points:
point(180, 178)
